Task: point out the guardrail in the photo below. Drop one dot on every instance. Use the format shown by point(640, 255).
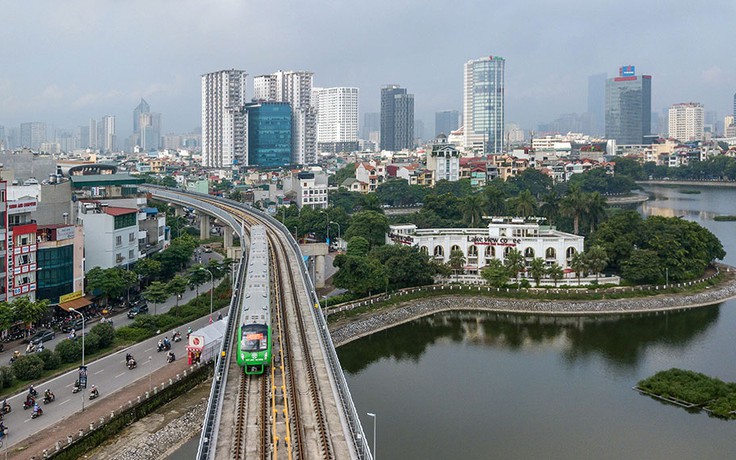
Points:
point(209, 428)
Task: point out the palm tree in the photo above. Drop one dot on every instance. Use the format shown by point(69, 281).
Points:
point(597, 260)
point(525, 204)
point(550, 206)
point(516, 262)
point(456, 260)
point(472, 209)
point(495, 200)
point(573, 205)
point(555, 272)
point(595, 209)
point(537, 269)
point(578, 264)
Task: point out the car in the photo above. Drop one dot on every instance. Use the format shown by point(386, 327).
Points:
point(76, 325)
point(43, 336)
point(207, 249)
point(138, 309)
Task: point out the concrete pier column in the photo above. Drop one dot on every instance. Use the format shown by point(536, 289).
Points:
point(227, 234)
point(319, 271)
point(204, 226)
point(179, 211)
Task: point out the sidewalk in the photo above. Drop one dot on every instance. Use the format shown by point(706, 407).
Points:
point(34, 446)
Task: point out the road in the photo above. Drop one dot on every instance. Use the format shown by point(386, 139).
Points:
point(109, 374)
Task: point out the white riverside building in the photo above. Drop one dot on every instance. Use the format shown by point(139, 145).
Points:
point(480, 245)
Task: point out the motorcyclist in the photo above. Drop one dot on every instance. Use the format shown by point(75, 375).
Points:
point(189, 332)
point(160, 344)
point(37, 409)
point(128, 357)
point(32, 391)
point(48, 395)
point(167, 343)
point(30, 348)
point(4, 406)
point(93, 391)
point(170, 357)
point(177, 336)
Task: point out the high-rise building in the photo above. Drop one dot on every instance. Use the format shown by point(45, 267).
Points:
point(446, 122)
point(686, 122)
point(734, 105)
point(294, 87)
point(597, 103)
point(3, 141)
point(146, 127)
point(628, 106)
point(93, 141)
point(224, 122)
point(337, 119)
point(371, 124)
point(107, 136)
point(397, 118)
point(142, 107)
point(269, 133)
point(32, 134)
point(483, 104)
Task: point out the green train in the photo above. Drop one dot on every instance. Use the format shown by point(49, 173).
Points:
point(254, 332)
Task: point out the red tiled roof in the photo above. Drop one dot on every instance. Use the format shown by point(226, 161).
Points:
point(116, 211)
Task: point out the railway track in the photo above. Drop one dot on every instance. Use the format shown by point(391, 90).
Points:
point(282, 413)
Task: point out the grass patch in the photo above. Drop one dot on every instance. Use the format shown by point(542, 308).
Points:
point(685, 388)
point(724, 218)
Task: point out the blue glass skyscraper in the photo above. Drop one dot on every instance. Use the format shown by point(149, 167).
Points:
point(269, 133)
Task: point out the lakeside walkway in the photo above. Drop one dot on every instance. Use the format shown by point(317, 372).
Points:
point(347, 330)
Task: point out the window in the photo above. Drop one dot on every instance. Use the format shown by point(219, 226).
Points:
point(131, 255)
point(570, 252)
point(424, 250)
point(472, 251)
point(455, 247)
point(439, 251)
point(118, 240)
point(550, 253)
point(490, 252)
point(131, 237)
point(529, 253)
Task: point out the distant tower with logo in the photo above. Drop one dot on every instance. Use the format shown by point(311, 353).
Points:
point(628, 106)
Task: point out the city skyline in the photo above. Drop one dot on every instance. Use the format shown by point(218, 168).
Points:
point(546, 72)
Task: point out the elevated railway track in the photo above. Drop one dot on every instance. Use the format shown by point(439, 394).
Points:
point(300, 408)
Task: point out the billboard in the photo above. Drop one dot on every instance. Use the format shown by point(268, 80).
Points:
point(64, 233)
point(627, 71)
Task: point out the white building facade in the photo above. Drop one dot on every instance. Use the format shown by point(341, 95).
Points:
point(444, 160)
point(111, 235)
point(337, 118)
point(686, 122)
point(480, 245)
point(224, 122)
point(483, 105)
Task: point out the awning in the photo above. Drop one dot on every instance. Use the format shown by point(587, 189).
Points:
point(76, 303)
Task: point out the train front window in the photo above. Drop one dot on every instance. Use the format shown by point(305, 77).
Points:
point(255, 338)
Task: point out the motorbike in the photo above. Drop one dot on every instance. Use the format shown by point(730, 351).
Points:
point(164, 347)
point(49, 399)
point(93, 395)
point(170, 358)
point(6, 408)
point(177, 338)
point(76, 388)
point(132, 364)
point(37, 413)
point(28, 403)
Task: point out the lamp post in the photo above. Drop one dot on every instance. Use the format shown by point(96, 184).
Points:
point(80, 383)
point(370, 414)
point(339, 231)
point(212, 290)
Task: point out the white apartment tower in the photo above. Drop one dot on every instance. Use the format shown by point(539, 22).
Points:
point(337, 118)
point(483, 105)
point(107, 134)
point(296, 89)
point(224, 122)
point(686, 122)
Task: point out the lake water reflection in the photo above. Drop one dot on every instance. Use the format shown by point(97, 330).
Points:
point(482, 386)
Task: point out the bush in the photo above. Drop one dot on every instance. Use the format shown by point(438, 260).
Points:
point(69, 350)
point(133, 334)
point(28, 367)
point(106, 334)
point(7, 378)
point(50, 359)
point(91, 343)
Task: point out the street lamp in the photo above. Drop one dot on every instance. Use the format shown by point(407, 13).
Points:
point(80, 383)
point(370, 414)
point(339, 231)
point(212, 278)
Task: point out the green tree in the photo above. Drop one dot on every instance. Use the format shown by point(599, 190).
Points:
point(7, 316)
point(597, 260)
point(398, 192)
point(105, 332)
point(341, 174)
point(629, 167)
point(495, 273)
point(405, 266)
point(358, 246)
point(537, 269)
point(148, 268)
point(532, 180)
point(370, 225)
point(69, 350)
point(456, 261)
point(177, 286)
point(524, 204)
point(578, 264)
point(595, 209)
point(555, 272)
point(156, 293)
point(550, 206)
point(515, 262)
point(619, 235)
point(29, 367)
point(28, 311)
point(197, 276)
point(573, 204)
point(51, 359)
point(370, 202)
point(360, 275)
point(111, 282)
point(639, 269)
point(495, 198)
point(472, 208)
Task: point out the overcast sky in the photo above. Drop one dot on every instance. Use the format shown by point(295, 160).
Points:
point(66, 61)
